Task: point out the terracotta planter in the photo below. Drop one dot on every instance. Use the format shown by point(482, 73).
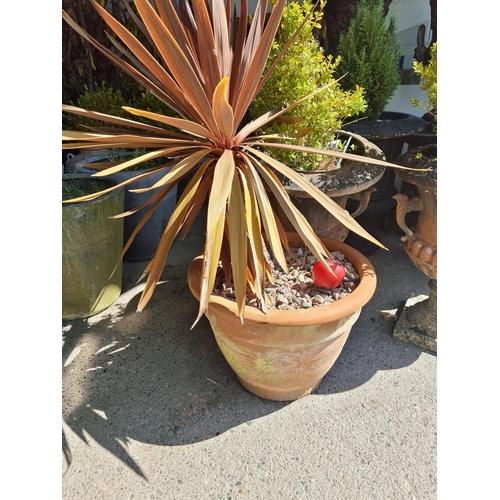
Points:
point(283, 355)
point(353, 180)
point(417, 323)
point(421, 240)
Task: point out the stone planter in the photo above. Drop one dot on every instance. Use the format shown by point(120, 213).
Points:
point(91, 246)
point(283, 355)
point(389, 133)
point(353, 180)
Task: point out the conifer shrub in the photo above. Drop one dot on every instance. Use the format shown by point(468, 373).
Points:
point(370, 54)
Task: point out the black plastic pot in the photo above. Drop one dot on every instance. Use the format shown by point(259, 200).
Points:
point(147, 239)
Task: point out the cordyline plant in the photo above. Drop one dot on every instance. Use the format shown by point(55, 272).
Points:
point(206, 62)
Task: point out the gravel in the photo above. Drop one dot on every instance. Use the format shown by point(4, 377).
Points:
point(295, 288)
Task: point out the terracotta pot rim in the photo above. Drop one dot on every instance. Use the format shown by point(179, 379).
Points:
point(315, 315)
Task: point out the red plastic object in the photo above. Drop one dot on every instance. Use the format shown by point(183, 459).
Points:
point(325, 279)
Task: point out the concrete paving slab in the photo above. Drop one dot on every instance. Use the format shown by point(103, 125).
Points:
point(151, 410)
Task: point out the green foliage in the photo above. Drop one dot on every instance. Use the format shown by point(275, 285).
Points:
point(428, 83)
point(370, 56)
point(302, 70)
point(75, 187)
point(108, 100)
point(83, 67)
point(149, 102)
point(103, 99)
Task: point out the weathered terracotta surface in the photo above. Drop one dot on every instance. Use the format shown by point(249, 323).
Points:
point(418, 323)
point(420, 241)
point(354, 180)
point(283, 355)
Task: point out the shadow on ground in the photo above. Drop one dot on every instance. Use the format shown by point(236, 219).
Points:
point(148, 377)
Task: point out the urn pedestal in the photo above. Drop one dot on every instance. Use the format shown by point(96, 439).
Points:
point(417, 322)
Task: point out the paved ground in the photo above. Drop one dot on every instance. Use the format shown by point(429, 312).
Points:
point(151, 410)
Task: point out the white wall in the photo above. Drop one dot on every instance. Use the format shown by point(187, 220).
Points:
point(410, 14)
point(401, 100)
